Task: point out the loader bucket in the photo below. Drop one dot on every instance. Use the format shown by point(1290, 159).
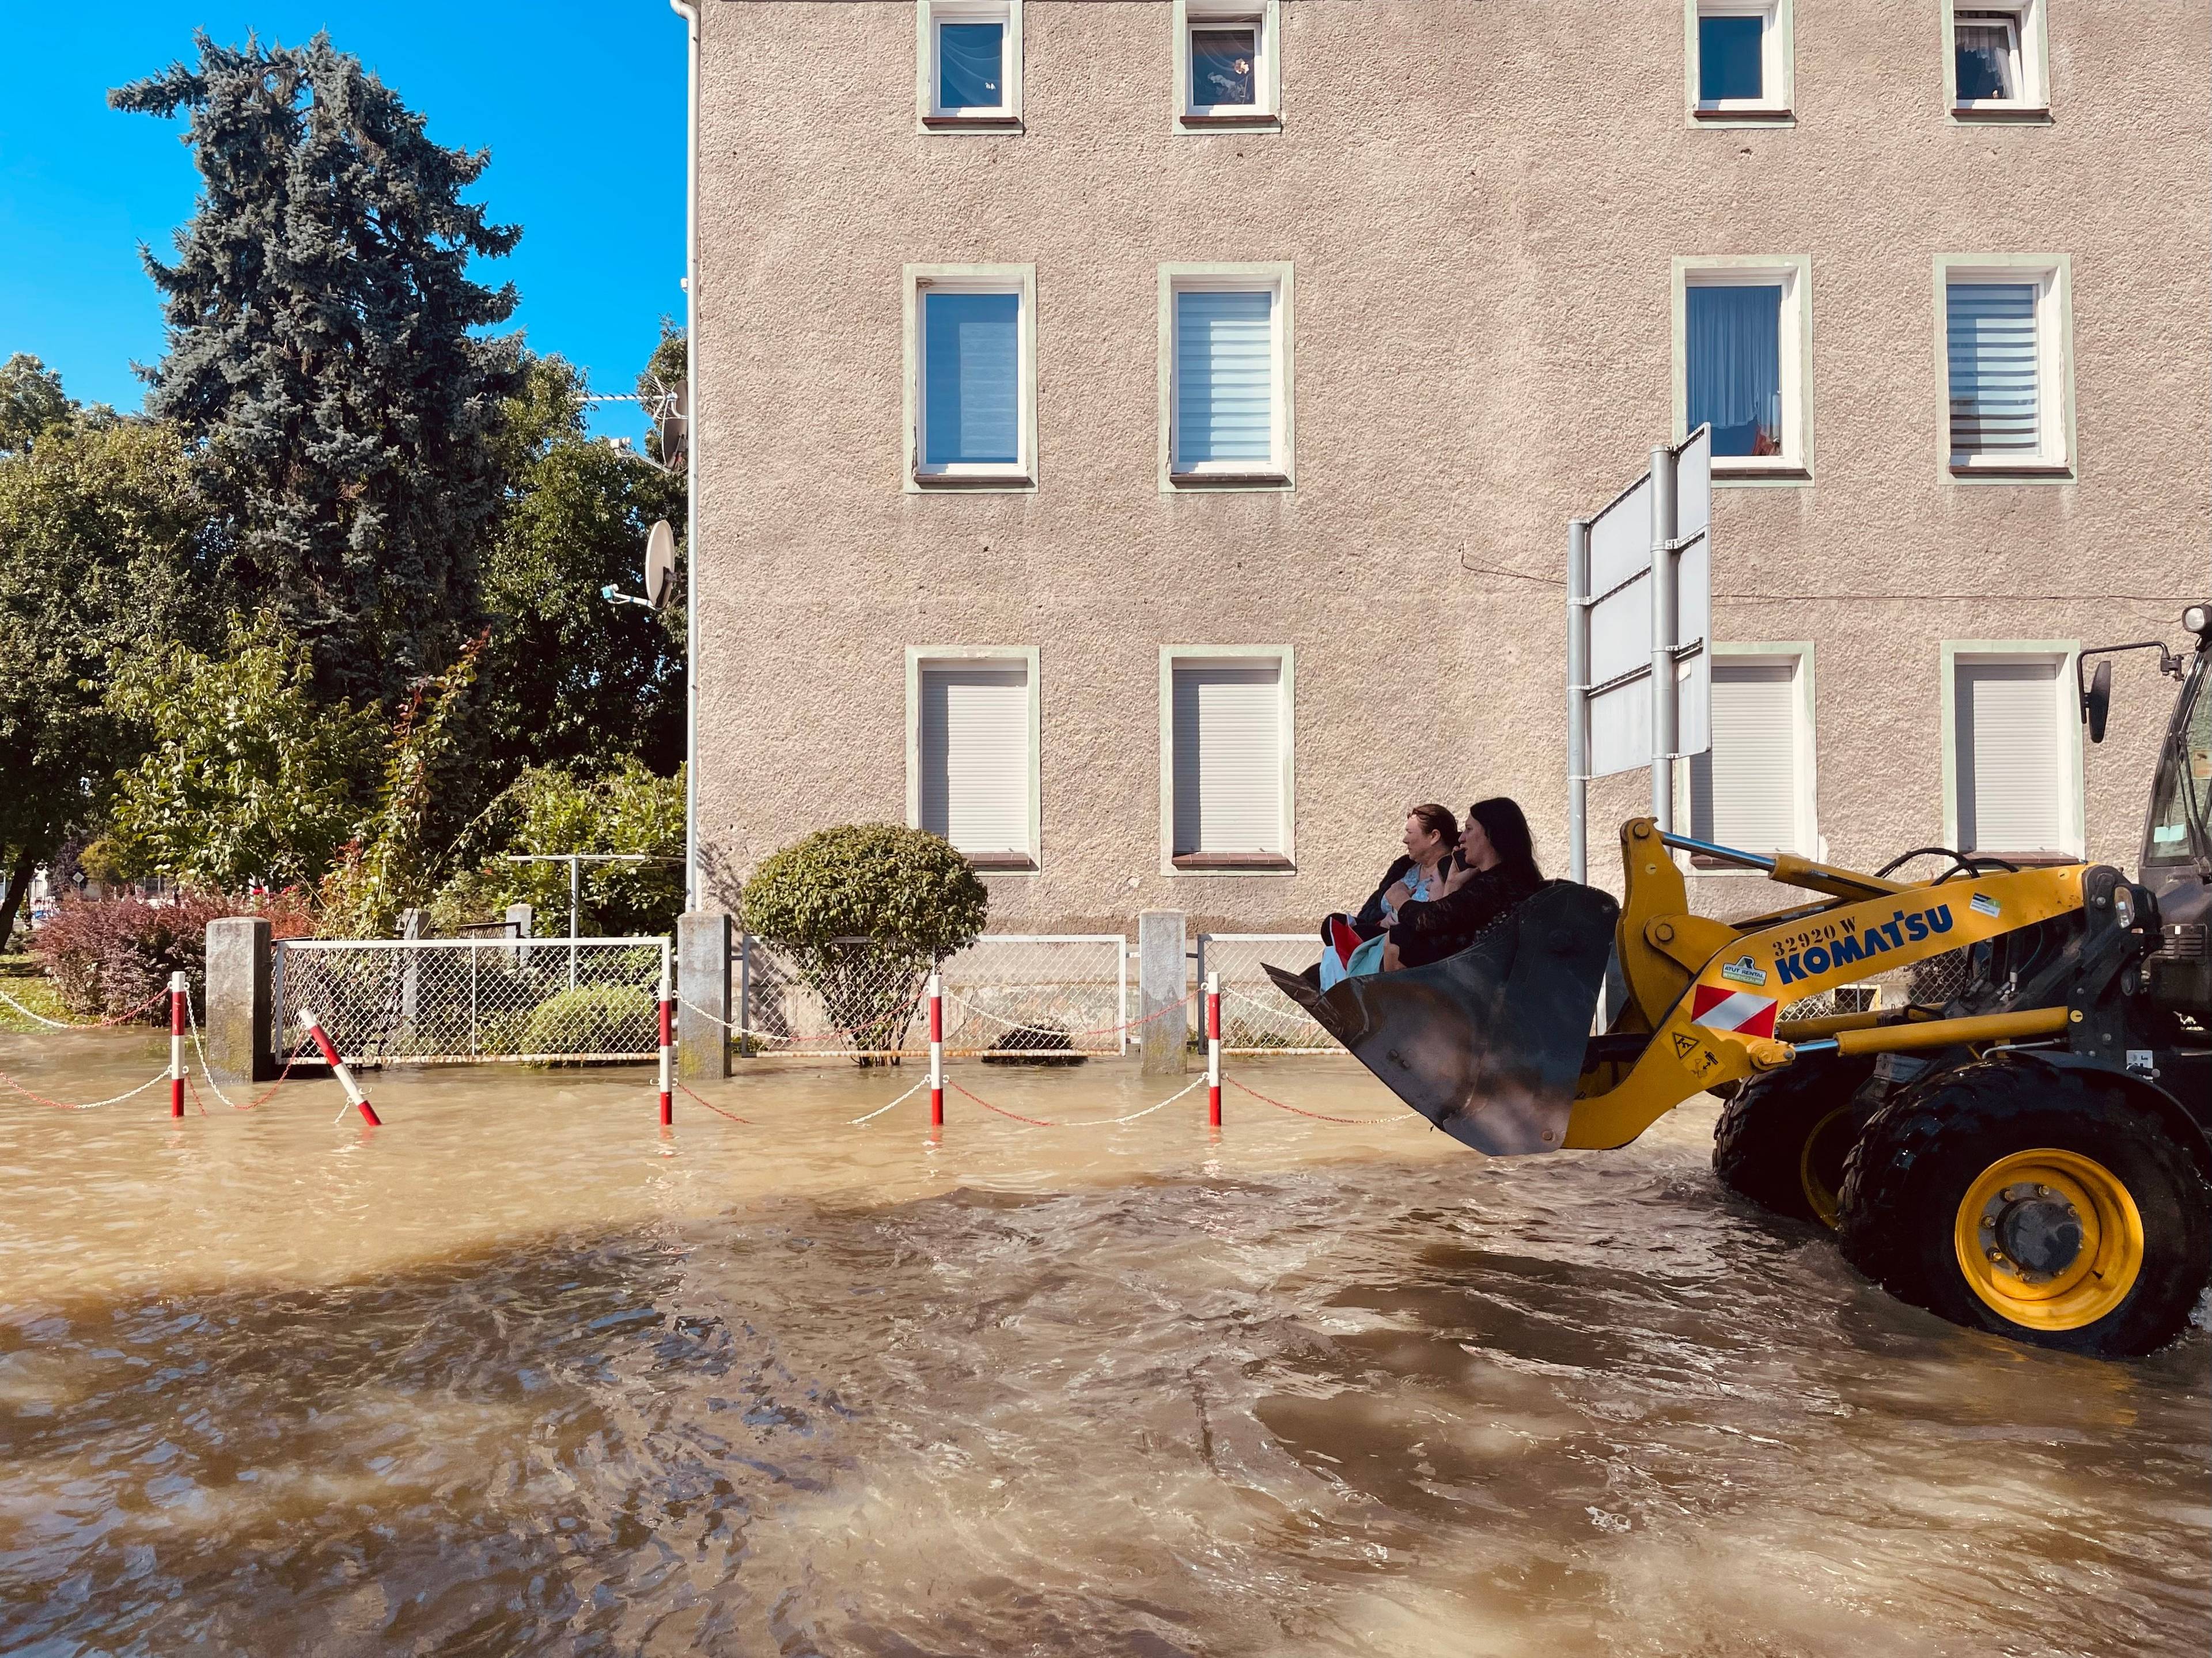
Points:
point(1486, 1044)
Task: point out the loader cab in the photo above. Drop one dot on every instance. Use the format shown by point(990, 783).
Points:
point(2177, 846)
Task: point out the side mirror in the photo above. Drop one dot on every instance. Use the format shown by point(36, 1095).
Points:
point(2097, 700)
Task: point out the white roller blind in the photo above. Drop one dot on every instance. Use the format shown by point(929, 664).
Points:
point(1224, 379)
point(2007, 757)
point(1991, 335)
point(975, 756)
point(1744, 792)
point(1228, 724)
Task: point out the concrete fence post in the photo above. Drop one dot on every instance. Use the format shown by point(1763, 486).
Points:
point(239, 1034)
point(1161, 989)
point(518, 922)
point(702, 990)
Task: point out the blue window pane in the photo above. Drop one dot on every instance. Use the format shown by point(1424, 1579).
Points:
point(971, 65)
point(1222, 65)
point(971, 379)
point(1730, 60)
point(1984, 62)
point(1734, 366)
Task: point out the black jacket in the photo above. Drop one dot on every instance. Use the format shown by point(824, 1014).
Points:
point(1429, 932)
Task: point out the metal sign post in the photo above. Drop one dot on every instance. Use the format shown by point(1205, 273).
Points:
point(1639, 608)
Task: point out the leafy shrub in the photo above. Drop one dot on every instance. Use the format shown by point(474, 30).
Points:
point(908, 894)
point(592, 1019)
point(108, 955)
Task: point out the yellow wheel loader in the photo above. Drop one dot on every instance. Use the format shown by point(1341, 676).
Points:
point(2030, 1155)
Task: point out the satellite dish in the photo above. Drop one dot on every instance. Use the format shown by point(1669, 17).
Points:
point(659, 564)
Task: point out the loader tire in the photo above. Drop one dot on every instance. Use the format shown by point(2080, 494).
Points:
point(2045, 1204)
point(1781, 1140)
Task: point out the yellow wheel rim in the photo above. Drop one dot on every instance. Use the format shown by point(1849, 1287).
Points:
point(1818, 1193)
point(2024, 1196)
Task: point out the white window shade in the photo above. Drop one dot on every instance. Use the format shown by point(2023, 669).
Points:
point(1228, 760)
point(1744, 791)
point(1996, 392)
point(2009, 768)
point(1224, 414)
point(974, 751)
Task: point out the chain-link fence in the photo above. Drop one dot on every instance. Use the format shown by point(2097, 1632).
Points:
point(1931, 983)
point(449, 1001)
point(1006, 995)
point(1255, 1016)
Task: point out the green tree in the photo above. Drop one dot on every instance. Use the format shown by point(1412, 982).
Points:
point(626, 808)
point(323, 341)
point(571, 678)
point(248, 777)
point(662, 377)
point(100, 531)
point(33, 403)
point(864, 912)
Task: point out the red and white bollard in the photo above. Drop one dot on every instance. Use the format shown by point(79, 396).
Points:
point(667, 1049)
point(178, 992)
point(1214, 1050)
point(936, 1053)
point(338, 1070)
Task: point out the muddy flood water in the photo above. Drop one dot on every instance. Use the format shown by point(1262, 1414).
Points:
point(517, 1374)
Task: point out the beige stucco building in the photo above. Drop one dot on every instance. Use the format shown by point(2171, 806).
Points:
point(1140, 435)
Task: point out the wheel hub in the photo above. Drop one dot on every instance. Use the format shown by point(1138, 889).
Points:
point(2049, 1238)
point(2036, 1231)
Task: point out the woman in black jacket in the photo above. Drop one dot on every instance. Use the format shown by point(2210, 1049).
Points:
point(1431, 833)
point(1499, 860)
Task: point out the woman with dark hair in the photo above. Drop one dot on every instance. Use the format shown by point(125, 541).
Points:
point(1497, 869)
point(1432, 832)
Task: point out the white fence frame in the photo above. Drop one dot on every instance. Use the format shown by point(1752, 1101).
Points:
point(1263, 991)
point(756, 1039)
point(286, 998)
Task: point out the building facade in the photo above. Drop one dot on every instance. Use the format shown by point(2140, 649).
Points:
point(1137, 438)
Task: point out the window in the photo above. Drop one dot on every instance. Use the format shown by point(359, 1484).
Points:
point(1995, 70)
point(1225, 376)
point(1226, 72)
point(2004, 362)
point(972, 752)
point(1226, 742)
point(1740, 60)
point(971, 389)
point(1742, 334)
point(969, 64)
point(1753, 789)
point(2015, 751)
point(2183, 789)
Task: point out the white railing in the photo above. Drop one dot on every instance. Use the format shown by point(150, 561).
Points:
point(458, 1001)
point(1255, 1016)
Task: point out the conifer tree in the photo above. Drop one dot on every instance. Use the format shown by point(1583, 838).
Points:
point(324, 352)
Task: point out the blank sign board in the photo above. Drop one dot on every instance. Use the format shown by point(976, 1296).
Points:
point(1622, 587)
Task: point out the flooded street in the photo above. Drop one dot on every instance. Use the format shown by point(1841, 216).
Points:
point(515, 1372)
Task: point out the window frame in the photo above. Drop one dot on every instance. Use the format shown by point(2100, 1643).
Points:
point(930, 116)
point(1235, 865)
point(1020, 475)
point(1265, 115)
point(1281, 473)
point(2073, 803)
point(1794, 355)
point(2052, 275)
point(2033, 107)
point(1805, 736)
point(919, 658)
point(1778, 62)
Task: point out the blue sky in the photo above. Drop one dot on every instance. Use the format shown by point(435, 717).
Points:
point(580, 101)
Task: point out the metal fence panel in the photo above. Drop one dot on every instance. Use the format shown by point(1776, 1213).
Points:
point(1007, 994)
point(451, 1001)
point(1255, 1016)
